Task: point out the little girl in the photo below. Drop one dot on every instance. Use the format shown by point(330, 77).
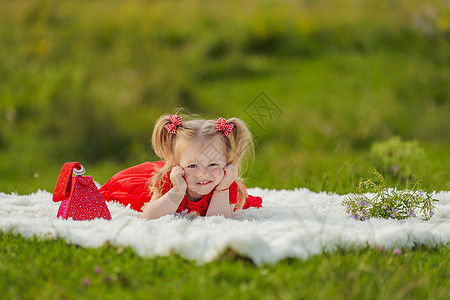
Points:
point(199, 173)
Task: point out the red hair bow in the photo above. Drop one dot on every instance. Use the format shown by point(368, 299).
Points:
point(222, 124)
point(172, 127)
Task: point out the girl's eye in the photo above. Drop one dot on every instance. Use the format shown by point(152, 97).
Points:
point(213, 165)
point(192, 166)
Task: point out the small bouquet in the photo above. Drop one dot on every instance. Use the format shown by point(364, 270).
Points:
point(388, 203)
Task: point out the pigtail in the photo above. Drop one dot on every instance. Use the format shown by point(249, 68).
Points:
point(163, 144)
point(162, 141)
point(242, 150)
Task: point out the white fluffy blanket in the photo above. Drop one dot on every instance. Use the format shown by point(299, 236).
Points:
point(292, 223)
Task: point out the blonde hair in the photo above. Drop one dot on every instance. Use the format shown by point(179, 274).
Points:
point(238, 145)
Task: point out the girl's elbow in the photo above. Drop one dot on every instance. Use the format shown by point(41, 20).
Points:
point(146, 216)
point(228, 215)
point(151, 215)
point(225, 214)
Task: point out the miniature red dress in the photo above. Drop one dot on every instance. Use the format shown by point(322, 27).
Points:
point(131, 187)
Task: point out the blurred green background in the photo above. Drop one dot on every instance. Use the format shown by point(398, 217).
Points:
point(347, 85)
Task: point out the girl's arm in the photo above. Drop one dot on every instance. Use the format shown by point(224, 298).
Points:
point(220, 204)
point(168, 203)
point(220, 201)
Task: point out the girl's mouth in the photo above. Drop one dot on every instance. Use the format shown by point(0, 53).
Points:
point(204, 182)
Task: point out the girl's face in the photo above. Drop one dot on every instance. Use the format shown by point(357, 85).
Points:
point(203, 165)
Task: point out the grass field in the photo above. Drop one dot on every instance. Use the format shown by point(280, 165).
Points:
point(55, 270)
point(86, 81)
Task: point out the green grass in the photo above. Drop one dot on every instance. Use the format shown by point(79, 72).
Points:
point(85, 82)
point(87, 86)
point(329, 119)
point(33, 269)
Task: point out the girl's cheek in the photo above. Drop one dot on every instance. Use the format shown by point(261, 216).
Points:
point(218, 173)
point(188, 174)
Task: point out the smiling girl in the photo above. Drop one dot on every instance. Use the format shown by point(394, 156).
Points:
point(199, 173)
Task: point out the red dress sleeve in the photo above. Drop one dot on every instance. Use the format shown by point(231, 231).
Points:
point(250, 201)
point(130, 186)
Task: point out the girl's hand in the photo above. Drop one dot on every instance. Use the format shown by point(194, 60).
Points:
point(167, 204)
point(177, 178)
point(231, 175)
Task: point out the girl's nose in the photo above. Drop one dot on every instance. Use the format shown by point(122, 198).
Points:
point(202, 172)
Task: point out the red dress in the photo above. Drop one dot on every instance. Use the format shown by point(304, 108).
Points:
point(131, 187)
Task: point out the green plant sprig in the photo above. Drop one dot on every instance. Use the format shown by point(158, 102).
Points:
point(388, 203)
